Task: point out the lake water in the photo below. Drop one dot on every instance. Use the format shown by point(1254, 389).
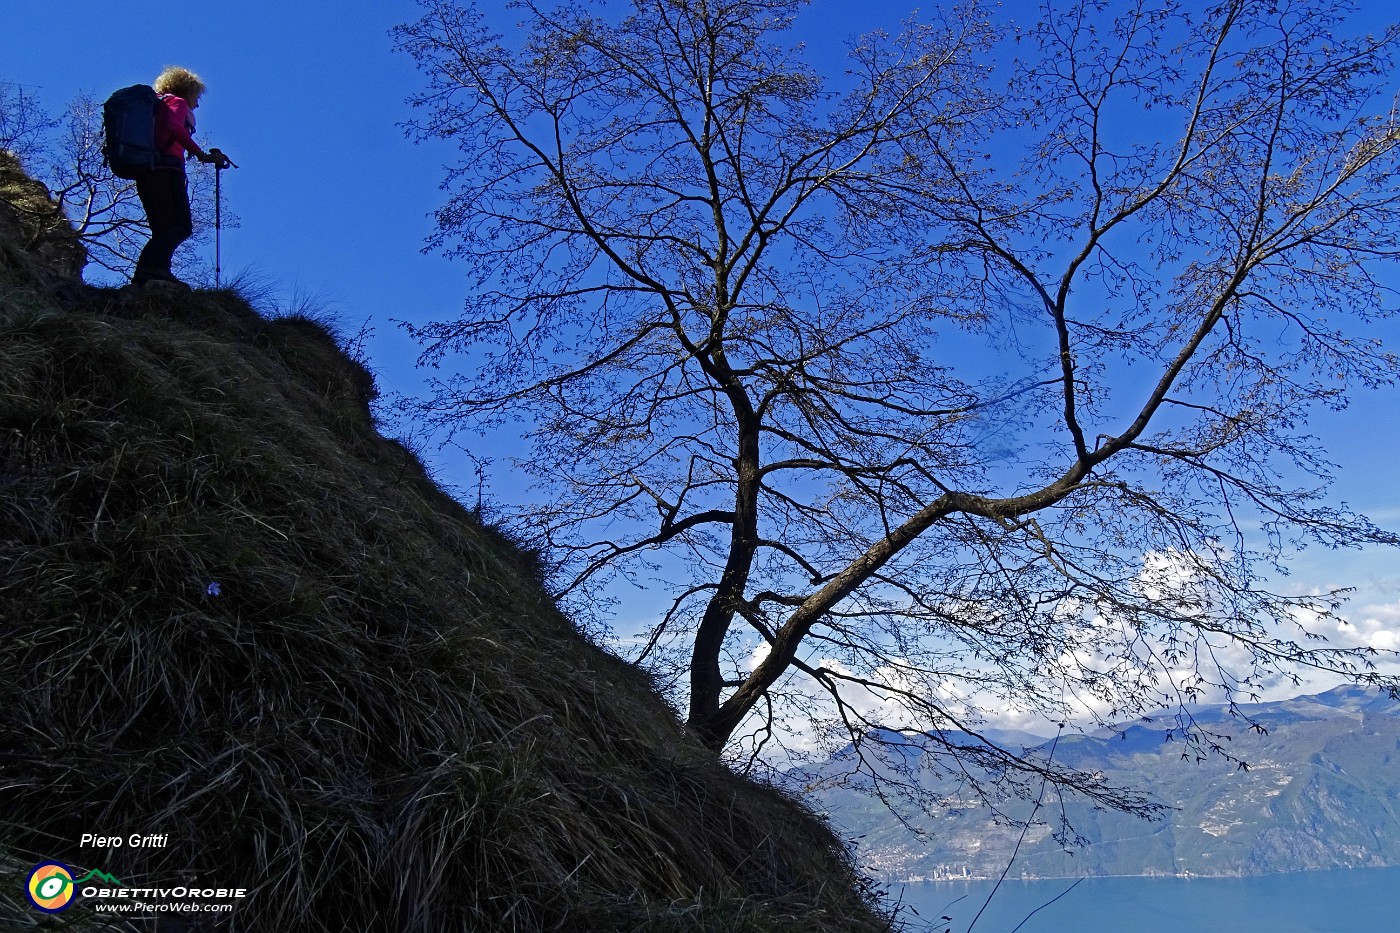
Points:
point(1302, 902)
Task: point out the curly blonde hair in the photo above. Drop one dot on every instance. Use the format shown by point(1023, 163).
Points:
point(181, 82)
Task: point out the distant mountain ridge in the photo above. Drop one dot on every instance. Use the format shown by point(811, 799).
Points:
point(1320, 789)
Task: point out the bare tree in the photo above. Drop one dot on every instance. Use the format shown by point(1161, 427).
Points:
point(924, 395)
point(23, 123)
point(103, 209)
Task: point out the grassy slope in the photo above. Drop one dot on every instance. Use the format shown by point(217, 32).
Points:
point(380, 721)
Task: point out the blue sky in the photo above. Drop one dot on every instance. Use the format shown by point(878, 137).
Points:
point(306, 97)
point(336, 203)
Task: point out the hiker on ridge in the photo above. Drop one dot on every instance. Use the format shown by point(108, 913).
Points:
point(163, 190)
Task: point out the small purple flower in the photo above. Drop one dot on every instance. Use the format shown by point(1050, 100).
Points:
point(213, 589)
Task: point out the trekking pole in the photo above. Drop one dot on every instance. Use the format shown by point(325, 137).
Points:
point(218, 221)
point(221, 162)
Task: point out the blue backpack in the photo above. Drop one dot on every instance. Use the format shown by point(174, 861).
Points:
point(129, 128)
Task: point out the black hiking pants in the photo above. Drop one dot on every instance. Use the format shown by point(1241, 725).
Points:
point(166, 198)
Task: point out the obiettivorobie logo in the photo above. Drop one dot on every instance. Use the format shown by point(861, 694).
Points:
point(52, 888)
point(51, 885)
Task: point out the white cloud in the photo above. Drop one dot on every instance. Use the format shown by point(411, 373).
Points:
point(1110, 645)
point(1373, 626)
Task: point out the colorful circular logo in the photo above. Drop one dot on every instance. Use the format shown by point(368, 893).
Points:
point(51, 887)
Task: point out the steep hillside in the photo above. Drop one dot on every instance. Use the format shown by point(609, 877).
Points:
point(1319, 788)
point(246, 637)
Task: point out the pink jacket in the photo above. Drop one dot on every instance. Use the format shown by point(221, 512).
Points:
point(175, 127)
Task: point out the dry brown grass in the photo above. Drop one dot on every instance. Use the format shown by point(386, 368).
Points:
point(380, 722)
